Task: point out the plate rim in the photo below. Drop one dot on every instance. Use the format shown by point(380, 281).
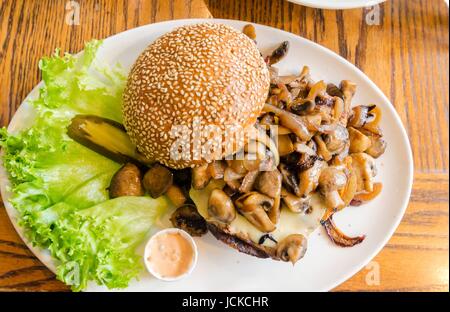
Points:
point(49, 262)
point(330, 5)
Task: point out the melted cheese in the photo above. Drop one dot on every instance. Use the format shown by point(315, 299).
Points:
point(289, 223)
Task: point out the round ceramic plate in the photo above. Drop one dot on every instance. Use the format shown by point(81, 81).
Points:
point(325, 265)
point(337, 4)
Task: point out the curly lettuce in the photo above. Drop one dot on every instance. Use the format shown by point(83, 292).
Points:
point(60, 187)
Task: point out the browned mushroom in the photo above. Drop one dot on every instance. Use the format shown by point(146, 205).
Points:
point(285, 145)
point(372, 124)
point(338, 237)
point(126, 182)
point(348, 90)
point(249, 31)
point(176, 195)
point(331, 181)
point(254, 206)
point(364, 167)
point(221, 207)
point(322, 149)
point(289, 179)
point(251, 162)
point(237, 165)
point(157, 180)
point(366, 117)
point(187, 218)
point(269, 183)
point(358, 141)
point(290, 121)
point(200, 177)
point(337, 139)
point(248, 181)
point(279, 53)
point(307, 105)
point(294, 203)
point(377, 146)
point(349, 190)
point(309, 179)
point(231, 175)
point(292, 248)
point(333, 90)
point(217, 169)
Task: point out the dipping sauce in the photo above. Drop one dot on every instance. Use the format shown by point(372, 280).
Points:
point(170, 254)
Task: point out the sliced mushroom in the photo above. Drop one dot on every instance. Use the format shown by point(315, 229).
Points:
point(359, 116)
point(337, 139)
point(366, 117)
point(200, 177)
point(331, 181)
point(231, 175)
point(221, 207)
point(269, 183)
point(285, 145)
point(358, 141)
point(349, 190)
point(290, 121)
point(307, 105)
point(364, 167)
point(294, 203)
point(217, 169)
point(187, 218)
point(237, 165)
point(289, 179)
point(348, 90)
point(255, 148)
point(322, 149)
point(333, 90)
point(176, 195)
point(373, 122)
point(254, 206)
point(309, 179)
point(339, 111)
point(279, 53)
point(248, 181)
point(251, 162)
point(126, 182)
point(377, 146)
point(157, 180)
point(292, 248)
point(284, 94)
point(234, 185)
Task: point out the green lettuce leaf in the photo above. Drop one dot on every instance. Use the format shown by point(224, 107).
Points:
point(60, 187)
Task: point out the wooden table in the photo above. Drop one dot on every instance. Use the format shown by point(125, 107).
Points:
point(406, 55)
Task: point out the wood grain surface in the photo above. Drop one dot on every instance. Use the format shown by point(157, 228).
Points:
point(406, 55)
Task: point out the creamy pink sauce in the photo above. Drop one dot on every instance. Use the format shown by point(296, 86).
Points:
point(170, 255)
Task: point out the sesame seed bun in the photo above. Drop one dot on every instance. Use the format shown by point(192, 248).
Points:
point(211, 73)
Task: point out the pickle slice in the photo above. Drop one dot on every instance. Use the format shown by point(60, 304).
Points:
point(106, 137)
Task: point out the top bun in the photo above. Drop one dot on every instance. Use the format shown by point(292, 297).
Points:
point(211, 73)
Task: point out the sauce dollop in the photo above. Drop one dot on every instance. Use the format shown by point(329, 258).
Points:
point(170, 255)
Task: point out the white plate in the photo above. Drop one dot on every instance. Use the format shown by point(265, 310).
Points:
point(337, 4)
point(325, 265)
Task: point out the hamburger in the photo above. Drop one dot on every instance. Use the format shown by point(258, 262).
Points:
point(259, 160)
